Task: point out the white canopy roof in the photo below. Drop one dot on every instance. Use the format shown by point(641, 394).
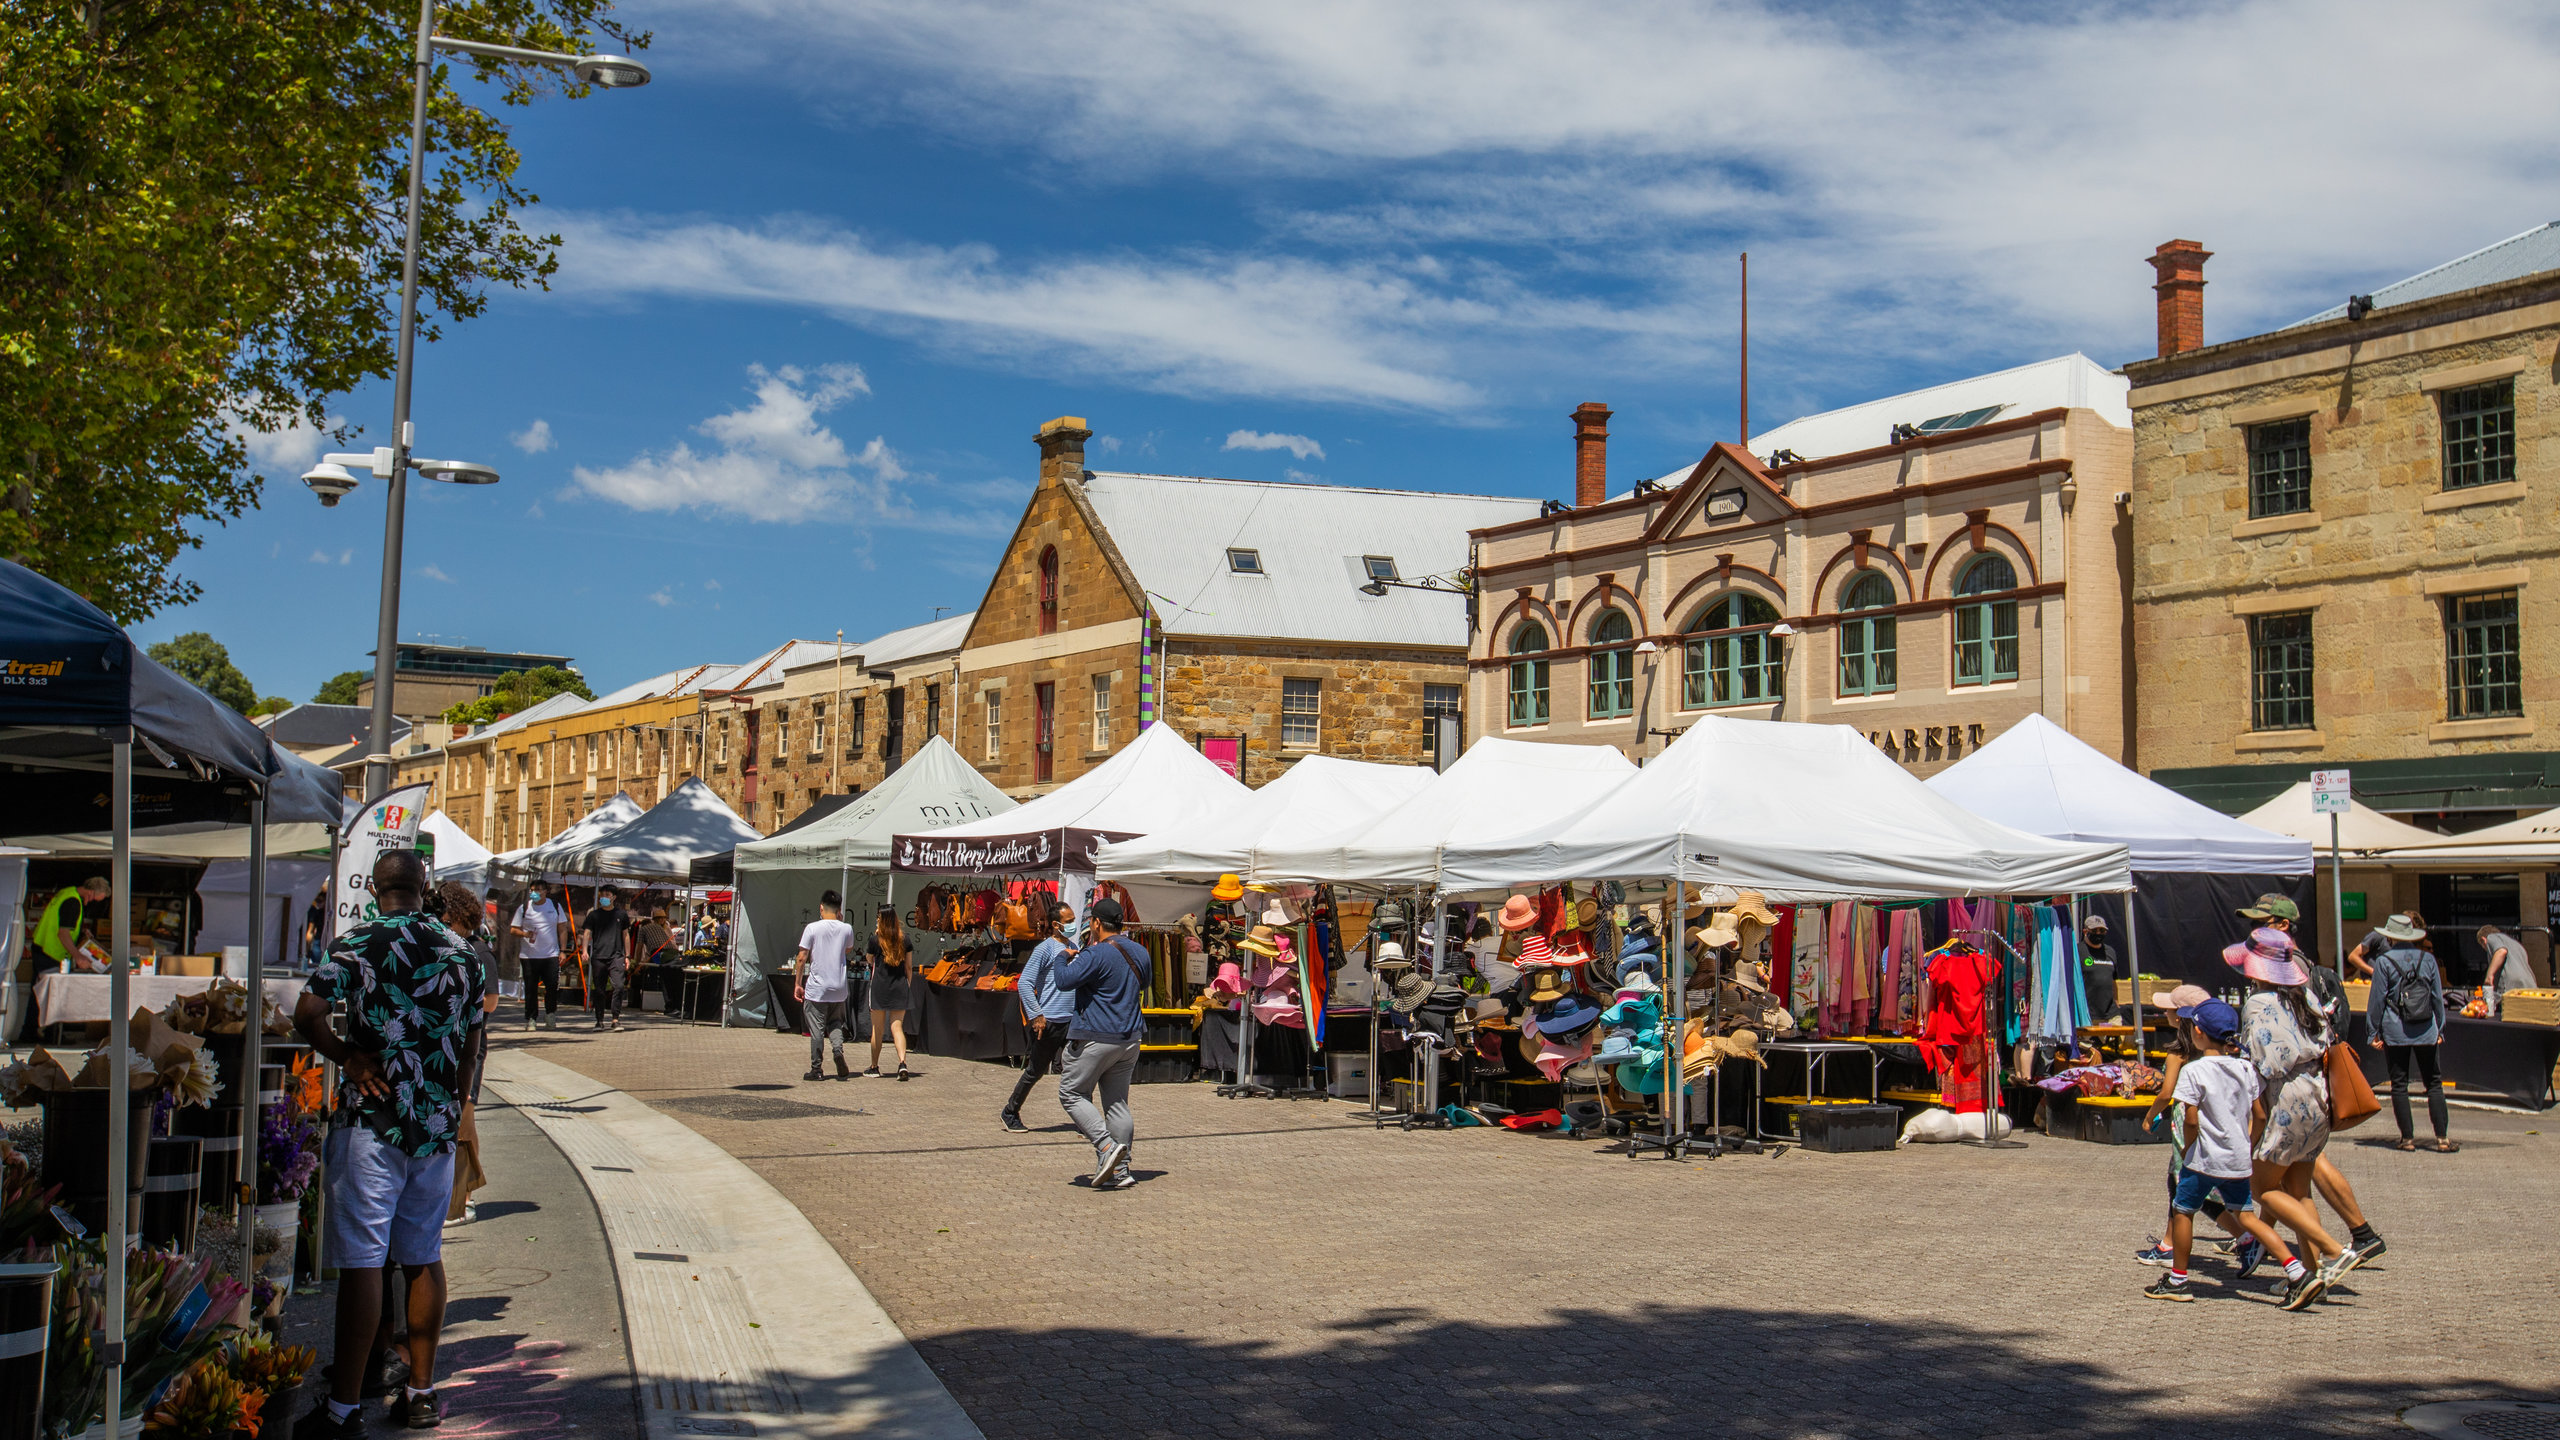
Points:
point(1319, 797)
point(2041, 778)
point(1496, 787)
point(664, 842)
point(934, 790)
point(452, 846)
point(2526, 842)
point(1159, 781)
point(596, 824)
point(2361, 828)
point(1797, 812)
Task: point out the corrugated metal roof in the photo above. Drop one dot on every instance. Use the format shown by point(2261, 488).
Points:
point(558, 705)
point(934, 637)
point(674, 682)
point(770, 666)
point(2513, 258)
point(2073, 382)
point(1175, 531)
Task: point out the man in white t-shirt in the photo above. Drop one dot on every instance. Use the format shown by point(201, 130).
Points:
point(820, 984)
point(537, 930)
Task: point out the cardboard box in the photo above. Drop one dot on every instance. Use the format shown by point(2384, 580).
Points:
point(2531, 1007)
point(197, 965)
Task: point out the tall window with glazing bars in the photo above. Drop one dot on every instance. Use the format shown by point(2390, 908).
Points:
point(2479, 434)
point(2279, 468)
point(2483, 657)
point(2280, 672)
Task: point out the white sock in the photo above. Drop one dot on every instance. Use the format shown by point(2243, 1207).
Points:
point(341, 1412)
point(2293, 1269)
point(417, 1394)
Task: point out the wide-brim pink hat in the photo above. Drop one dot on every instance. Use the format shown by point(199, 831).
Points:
point(2269, 957)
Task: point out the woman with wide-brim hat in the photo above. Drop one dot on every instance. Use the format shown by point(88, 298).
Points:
point(2286, 1038)
point(2408, 1042)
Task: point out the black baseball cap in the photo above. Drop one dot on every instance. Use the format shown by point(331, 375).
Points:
point(1106, 911)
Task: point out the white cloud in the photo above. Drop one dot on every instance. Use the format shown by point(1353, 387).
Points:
point(346, 557)
point(1298, 445)
point(534, 438)
point(1300, 477)
point(318, 557)
point(773, 461)
point(1104, 444)
point(710, 584)
point(323, 557)
point(1912, 182)
point(435, 572)
point(288, 450)
point(661, 597)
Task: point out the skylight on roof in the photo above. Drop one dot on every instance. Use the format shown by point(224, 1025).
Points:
point(1961, 420)
point(1243, 561)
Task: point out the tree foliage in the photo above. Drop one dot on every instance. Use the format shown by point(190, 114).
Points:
point(270, 705)
point(203, 662)
point(341, 688)
point(517, 689)
point(201, 211)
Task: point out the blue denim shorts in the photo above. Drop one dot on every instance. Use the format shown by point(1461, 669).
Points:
point(385, 1206)
point(2195, 1185)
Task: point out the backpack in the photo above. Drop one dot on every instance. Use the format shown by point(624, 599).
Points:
point(2412, 999)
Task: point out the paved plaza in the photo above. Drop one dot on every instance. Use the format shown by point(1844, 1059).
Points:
point(1285, 1269)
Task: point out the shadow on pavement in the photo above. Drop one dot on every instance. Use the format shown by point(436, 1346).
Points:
point(1663, 1370)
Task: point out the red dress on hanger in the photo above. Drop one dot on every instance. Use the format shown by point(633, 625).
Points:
point(1960, 982)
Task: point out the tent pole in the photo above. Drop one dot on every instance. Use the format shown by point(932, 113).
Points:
point(2337, 903)
point(2133, 958)
point(1675, 1088)
point(119, 1040)
point(246, 1205)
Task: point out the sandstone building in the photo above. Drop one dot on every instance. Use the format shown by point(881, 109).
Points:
point(1927, 568)
point(814, 718)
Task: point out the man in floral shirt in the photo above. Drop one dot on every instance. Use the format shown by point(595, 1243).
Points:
point(412, 992)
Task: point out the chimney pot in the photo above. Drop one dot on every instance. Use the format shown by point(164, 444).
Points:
point(1061, 444)
point(1590, 453)
point(2179, 265)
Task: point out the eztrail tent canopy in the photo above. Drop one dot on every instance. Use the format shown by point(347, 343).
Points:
point(2527, 842)
point(1497, 787)
point(662, 844)
point(2193, 866)
point(1319, 797)
point(779, 879)
point(1801, 813)
point(2360, 830)
point(1157, 783)
point(603, 820)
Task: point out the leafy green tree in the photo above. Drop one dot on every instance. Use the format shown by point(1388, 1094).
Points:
point(270, 705)
point(340, 689)
point(200, 236)
point(201, 661)
point(517, 689)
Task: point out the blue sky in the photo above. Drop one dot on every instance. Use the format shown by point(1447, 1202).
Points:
point(826, 276)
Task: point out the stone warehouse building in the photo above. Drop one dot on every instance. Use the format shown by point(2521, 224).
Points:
point(2345, 544)
point(1927, 568)
point(521, 780)
point(814, 718)
point(1233, 610)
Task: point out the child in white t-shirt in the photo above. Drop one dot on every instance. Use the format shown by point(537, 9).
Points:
point(2219, 1092)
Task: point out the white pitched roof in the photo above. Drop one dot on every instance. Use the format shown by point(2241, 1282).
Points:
point(1175, 531)
point(674, 682)
point(769, 667)
point(2072, 382)
point(551, 709)
point(934, 637)
point(1319, 796)
point(2513, 258)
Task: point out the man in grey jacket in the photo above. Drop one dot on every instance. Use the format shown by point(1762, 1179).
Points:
point(1107, 979)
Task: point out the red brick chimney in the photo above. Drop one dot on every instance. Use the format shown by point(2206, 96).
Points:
point(2180, 265)
point(1590, 453)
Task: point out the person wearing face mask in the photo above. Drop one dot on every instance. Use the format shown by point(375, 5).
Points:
point(602, 935)
point(536, 927)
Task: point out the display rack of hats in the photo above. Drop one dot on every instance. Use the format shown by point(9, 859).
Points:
point(1273, 953)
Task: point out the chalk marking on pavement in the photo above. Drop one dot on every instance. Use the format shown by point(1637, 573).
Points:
point(764, 1325)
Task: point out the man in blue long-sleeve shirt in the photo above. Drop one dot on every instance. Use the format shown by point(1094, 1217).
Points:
point(1047, 1009)
point(1106, 979)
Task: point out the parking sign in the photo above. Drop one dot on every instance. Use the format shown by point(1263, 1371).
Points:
point(2329, 792)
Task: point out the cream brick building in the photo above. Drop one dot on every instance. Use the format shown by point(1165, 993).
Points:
point(2344, 545)
point(1928, 568)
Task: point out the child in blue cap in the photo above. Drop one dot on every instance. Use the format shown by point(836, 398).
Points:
point(2219, 1091)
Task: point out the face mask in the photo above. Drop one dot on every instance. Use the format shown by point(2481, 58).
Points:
point(604, 902)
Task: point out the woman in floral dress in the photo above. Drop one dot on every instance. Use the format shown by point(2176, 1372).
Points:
point(2285, 1037)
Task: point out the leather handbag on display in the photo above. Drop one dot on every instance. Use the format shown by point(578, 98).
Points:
point(2351, 1098)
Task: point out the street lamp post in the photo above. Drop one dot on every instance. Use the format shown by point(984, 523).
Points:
point(392, 463)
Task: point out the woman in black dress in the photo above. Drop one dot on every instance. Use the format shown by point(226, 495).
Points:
point(890, 977)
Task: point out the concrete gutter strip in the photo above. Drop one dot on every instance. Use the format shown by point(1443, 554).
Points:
point(743, 1320)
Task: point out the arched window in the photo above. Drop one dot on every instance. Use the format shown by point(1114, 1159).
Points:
point(1613, 666)
point(1529, 675)
point(1735, 660)
point(1049, 591)
point(1986, 627)
point(1866, 641)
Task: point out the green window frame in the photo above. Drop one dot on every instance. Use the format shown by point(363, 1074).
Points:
point(1528, 675)
point(2280, 468)
point(2483, 656)
point(1612, 667)
point(1986, 627)
point(1732, 659)
point(1868, 641)
point(2479, 423)
point(2280, 672)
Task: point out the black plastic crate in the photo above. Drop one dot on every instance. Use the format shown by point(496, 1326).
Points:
point(2118, 1124)
point(1837, 1129)
point(1178, 1027)
point(1166, 1070)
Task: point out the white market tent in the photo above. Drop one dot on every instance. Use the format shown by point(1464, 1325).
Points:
point(603, 820)
point(1159, 782)
point(2193, 866)
point(2361, 829)
point(1801, 813)
point(1319, 797)
point(662, 844)
point(1497, 787)
point(780, 879)
point(458, 856)
point(2524, 843)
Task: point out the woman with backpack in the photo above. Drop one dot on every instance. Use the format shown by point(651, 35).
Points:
point(2406, 1011)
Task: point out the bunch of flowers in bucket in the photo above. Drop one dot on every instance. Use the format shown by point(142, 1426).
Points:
point(176, 1309)
point(288, 1155)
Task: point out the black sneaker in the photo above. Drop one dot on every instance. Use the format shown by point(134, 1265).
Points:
point(872, 1073)
point(814, 1074)
point(1013, 1122)
point(2165, 1288)
point(319, 1425)
point(2369, 1251)
point(418, 1410)
point(2300, 1293)
point(388, 1371)
point(843, 1072)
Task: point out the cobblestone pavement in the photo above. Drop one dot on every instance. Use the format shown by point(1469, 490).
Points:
point(1285, 1270)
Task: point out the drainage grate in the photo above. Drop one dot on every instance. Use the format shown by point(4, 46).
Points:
point(751, 1107)
point(2486, 1420)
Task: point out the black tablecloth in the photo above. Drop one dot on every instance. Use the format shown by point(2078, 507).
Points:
point(2494, 1057)
point(1281, 1050)
point(962, 1022)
